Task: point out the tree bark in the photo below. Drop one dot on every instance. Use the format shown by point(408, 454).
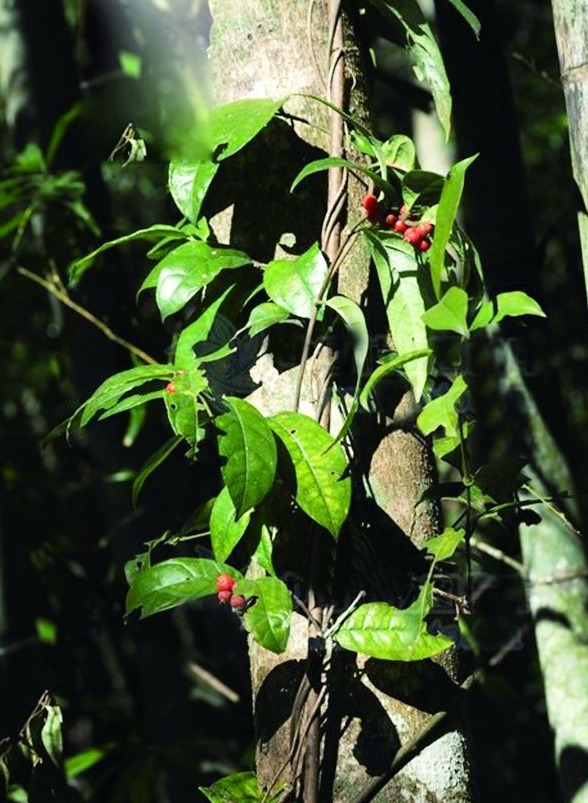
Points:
point(274, 49)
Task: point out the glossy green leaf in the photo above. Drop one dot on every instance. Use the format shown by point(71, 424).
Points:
point(443, 546)
point(51, 736)
point(115, 387)
point(265, 315)
point(77, 269)
point(428, 62)
point(249, 446)
point(400, 152)
point(441, 412)
point(446, 213)
point(156, 459)
point(384, 370)
point(130, 403)
point(197, 332)
point(186, 270)
point(233, 125)
point(242, 787)
point(354, 321)
point(188, 184)
point(173, 582)
point(323, 489)
point(268, 620)
point(263, 552)
point(505, 305)
point(468, 16)
point(295, 284)
point(185, 407)
point(333, 161)
point(226, 528)
point(450, 313)
point(397, 268)
point(383, 631)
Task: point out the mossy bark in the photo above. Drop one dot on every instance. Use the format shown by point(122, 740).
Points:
point(276, 48)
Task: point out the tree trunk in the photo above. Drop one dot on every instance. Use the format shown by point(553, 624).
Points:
point(270, 49)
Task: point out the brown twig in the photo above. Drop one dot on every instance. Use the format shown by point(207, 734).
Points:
point(61, 294)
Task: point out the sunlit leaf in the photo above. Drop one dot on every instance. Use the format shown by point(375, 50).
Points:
point(226, 528)
point(382, 371)
point(188, 184)
point(242, 787)
point(323, 489)
point(295, 284)
point(233, 125)
point(441, 412)
point(156, 459)
point(268, 620)
point(450, 313)
point(265, 315)
point(115, 387)
point(443, 546)
point(505, 305)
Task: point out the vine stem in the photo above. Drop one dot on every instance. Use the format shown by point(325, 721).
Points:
point(61, 294)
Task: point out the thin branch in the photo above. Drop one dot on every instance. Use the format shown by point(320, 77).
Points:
point(61, 295)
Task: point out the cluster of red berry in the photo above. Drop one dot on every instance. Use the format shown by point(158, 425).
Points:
point(413, 232)
point(225, 585)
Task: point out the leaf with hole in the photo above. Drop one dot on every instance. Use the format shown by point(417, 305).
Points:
point(323, 487)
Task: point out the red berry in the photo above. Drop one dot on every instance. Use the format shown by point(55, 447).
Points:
point(224, 582)
point(404, 210)
point(390, 220)
point(171, 388)
point(370, 203)
point(400, 226)
point(238, 601)
point(412, 236)
point(225, 596)
point(424, 245)
point(424, 228)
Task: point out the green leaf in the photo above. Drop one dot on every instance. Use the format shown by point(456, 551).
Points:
point(334, 161)
point(505, 305)
point(130, 403)
point(77, 269)
point(250, 448)
point(188, 184)
point(226, 528)
point(173, 582)
point(185, 406)
point(265, 315)
point(443, 546)
point(400, 152)
point(115, 387)
point(263, 552)
point(268, 620)
point(152, 463)
point(468, 16)
point(387, 368)
point(242, 787)
point(233, 125)
point(354, 321)
point(51, 734)
point(186, 270)
point(422, 187)
point(75, 765)
point(59, 130)
point(197, 332)
point(397, 268)
point(450, 314)
point(323, 489)
point(383, 631)
point(295, 284)
point(441, 412)
point(446, 213)
point(425, 52)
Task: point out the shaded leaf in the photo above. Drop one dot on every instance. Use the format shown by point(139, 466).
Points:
point(197, 332)
point(354, 321)
point(334, 161)
point(468, 16)
point(384, 370)
point(156, 459)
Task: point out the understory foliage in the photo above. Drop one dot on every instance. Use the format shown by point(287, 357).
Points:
point(282, 474)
